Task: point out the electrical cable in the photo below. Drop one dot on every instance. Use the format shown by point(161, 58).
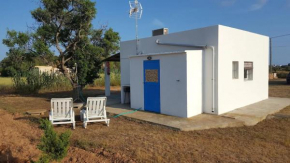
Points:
point(130, 112)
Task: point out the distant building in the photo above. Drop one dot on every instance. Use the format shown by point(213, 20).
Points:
point(47, 69)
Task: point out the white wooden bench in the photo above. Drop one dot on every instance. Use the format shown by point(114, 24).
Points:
point(62, 111)
point(95, 111)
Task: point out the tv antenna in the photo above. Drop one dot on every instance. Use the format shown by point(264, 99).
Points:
point(136, 13)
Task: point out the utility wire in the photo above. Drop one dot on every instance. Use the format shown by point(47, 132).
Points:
point(282, 46)
point(280, 36)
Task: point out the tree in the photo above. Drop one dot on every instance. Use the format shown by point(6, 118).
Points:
point(66, 25)
point(25, 51)
point(17, 42)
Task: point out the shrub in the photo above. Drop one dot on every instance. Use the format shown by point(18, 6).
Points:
point(34, 82)
point(115, 80)
point(282, 74)
point(53, 146)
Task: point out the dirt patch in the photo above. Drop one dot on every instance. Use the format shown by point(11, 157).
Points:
point(18, 139)
point(279, 88)
point(127, 140)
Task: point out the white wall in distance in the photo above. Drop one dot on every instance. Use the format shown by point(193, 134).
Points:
point(241, 46)
point(194, 82)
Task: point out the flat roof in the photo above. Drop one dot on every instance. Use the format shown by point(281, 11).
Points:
point(198, 29)
point(161, 53)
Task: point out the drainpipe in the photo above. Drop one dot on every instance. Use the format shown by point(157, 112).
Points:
point(213, 77)
point(213, 63)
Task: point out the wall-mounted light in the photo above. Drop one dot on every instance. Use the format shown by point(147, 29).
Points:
point(149, 58)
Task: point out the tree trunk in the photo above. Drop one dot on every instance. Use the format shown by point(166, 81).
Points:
point(77, 94)
point(65, 71)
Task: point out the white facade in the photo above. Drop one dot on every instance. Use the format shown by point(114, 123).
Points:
point(46, 69)
point(186, 85)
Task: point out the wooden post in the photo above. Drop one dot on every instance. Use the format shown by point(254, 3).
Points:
point(270, 55)
point(107, 79)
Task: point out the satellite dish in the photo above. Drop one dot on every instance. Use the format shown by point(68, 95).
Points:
point(136, 11)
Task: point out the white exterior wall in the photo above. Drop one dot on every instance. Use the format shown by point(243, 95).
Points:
point(44, 69)
point(202, 36)
point(180, 83)
point(173, 99)
point(194, 82)
point(241, 46)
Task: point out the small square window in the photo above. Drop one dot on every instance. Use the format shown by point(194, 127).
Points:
point(248, 70)
point(235, 70)
point(151, 76)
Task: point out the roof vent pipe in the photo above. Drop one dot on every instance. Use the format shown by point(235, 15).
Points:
point(213, 63)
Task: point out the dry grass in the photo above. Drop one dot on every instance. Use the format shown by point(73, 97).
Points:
point(279, 88)
point(6, 84)
point(5, 81)
point(128, 139)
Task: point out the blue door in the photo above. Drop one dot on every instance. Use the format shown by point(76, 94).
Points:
point(152, 86)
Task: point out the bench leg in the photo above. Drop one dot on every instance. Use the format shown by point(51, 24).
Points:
point(85, 124)
point(108, 121)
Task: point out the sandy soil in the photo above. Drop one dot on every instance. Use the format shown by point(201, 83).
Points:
point(128, 140)
point(19, 142)
point(18, 139)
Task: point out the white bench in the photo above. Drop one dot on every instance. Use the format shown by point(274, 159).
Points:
point(62, 111)
point(95, 111)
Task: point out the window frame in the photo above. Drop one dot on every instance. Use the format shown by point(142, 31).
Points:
point(235, 70)
point(249, 72)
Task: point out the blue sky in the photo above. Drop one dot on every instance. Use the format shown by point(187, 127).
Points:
point(267, 17)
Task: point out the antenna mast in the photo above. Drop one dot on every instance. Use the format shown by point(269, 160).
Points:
point(136, 13)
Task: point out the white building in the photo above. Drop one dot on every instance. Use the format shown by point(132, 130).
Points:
point(46, 69)
point(208, 70)
point(50, 70)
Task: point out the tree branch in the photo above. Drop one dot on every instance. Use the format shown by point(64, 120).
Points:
point(69, 58)
point(57, 44)
point(56, 38)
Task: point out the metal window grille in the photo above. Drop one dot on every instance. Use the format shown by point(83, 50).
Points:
point(248, 70)
point(151, 76)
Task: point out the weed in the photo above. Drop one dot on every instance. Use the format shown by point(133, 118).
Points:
point(83, 144)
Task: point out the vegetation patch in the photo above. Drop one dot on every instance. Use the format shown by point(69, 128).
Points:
point(35, 82)
point(282, 74)
point(53, 146)
point(115, 80)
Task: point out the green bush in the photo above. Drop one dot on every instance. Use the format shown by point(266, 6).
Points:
point(53, 146)
point(282, 74)
point(34, 82)
point(115, 80)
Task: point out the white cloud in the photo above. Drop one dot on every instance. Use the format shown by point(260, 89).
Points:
point(158, 23)
point(258, 5)
point(227, 3)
